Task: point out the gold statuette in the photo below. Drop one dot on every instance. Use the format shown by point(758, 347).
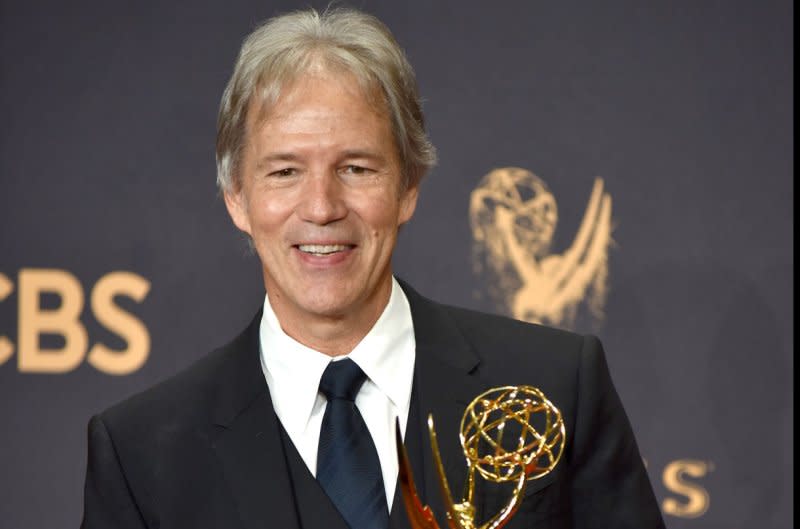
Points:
point(508, 434)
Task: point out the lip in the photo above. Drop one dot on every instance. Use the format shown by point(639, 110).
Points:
point(335, 258)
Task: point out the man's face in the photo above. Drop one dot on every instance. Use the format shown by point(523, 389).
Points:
point(322, 200)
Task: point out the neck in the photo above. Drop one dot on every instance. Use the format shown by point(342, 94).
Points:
point(332, 334)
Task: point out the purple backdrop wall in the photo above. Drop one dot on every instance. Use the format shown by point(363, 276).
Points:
point(684, 111)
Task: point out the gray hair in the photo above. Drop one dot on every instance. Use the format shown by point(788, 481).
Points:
point(284, 47)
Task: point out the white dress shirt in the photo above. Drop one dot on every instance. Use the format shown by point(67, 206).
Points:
point(386, 354)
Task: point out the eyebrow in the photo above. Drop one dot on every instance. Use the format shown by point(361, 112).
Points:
point(276, 157)
point(368, 155)
point(345, 155)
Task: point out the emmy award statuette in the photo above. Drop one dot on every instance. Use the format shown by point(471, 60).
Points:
point(492, 453)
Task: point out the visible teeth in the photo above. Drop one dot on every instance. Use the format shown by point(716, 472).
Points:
point(322, 249)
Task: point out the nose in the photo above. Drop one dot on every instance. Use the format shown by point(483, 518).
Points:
point(322, 200)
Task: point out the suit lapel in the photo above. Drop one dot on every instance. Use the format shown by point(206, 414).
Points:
point(446, 381)
point(248, 441)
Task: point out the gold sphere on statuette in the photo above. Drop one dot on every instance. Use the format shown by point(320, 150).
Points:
point(510, 431)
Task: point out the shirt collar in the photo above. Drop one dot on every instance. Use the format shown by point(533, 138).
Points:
point(293, 371)
point(386, 353)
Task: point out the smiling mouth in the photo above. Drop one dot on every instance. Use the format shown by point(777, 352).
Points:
point(323, 249)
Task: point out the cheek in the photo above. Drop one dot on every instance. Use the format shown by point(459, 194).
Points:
point(269, 212)
point(381, 215)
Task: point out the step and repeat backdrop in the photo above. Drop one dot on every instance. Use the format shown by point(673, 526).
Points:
point(615, 168)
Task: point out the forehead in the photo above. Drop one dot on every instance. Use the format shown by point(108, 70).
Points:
point(317, 95)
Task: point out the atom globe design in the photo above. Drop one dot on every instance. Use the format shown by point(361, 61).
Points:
point(510, 431)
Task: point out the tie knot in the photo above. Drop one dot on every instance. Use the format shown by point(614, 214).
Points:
point(342, 380)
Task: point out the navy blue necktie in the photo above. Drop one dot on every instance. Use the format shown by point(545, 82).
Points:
point(348, 467)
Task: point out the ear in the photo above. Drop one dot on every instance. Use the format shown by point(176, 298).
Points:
point(237, 209)
point(408, 203)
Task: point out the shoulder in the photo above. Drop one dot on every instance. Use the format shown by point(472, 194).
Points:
point(495, 336)
point(194, 395)
point(155, 441)
point(507, 351)
point(505, 344)
point(181, 392)
point(481, 327)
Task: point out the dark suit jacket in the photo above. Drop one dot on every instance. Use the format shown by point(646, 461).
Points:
point(205, 449)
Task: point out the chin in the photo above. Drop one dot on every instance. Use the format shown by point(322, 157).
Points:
point(331, 302)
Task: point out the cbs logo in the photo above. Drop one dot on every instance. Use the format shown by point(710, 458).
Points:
point(687, 498)
point(34, 321)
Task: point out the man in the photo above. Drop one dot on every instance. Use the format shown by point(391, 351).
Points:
point(321, 147)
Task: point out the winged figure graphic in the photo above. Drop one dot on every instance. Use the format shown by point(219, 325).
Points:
point(513, 216)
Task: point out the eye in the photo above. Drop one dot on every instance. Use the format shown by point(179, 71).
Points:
point(288, 171)
point(355, 169)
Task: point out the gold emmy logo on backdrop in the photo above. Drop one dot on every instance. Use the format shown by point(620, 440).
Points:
point(513, 216)
point(508, 434)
